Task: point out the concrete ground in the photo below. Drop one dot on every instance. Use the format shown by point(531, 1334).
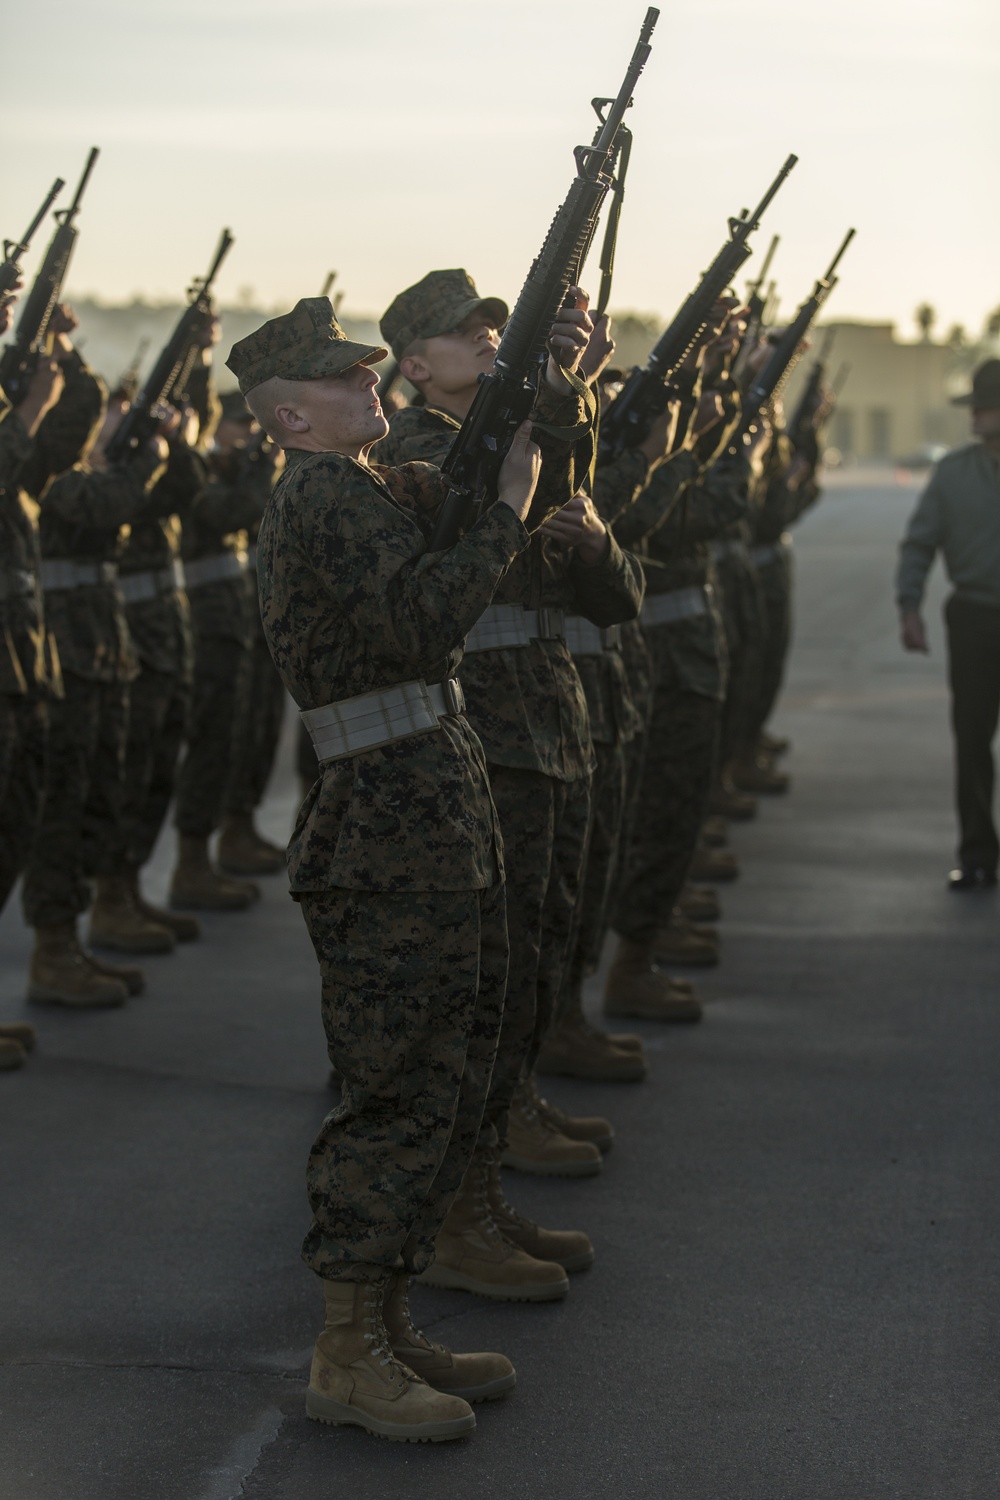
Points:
point(796, 1278)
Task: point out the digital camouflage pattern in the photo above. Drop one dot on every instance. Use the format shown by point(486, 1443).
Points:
point(352, 602)
point(527, 703)
point(23, 737)
point(304, 344)
point(412, 1001)
point(680, 763)
point(260, 726)
point(439, 303)
point(215, 522)
point(66, 430)
point(544, 824)
point(15, 444)
point(79, 834)
point(592, 913)
point(160, 630)
point(83, 800)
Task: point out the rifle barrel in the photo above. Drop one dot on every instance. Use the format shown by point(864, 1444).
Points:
point(766, 264)
point(616, 113)
point(755, 217)
point(831, 268)
point(24, 242)
point(69, 214)
point(225, 241)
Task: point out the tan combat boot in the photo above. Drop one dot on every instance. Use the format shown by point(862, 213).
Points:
point(356, 1381)
point(727, 800)
point(184, 928)
point(569, 1248)
point(773, 744)
point(578, 1050)
point(716, 865)
point(685, 942)
point(700, 903)
point(116, 921)
point(536, 1146)
point(474, 1377)
point(130, 975)
point(636, 987)
point(12, 1054)
point(471, 1254)
point(759, 777)
point(242, 850)
point(61, 975)
point(593, 1128)
point(197, 883)
point(21, 1032)
point(715, 832)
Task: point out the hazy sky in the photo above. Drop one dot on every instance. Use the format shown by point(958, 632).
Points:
point(385, 139)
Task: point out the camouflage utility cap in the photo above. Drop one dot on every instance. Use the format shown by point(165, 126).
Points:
point(438, 304)
point(305, 344)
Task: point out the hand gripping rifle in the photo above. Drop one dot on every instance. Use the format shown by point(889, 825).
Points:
point(18, 361)
point(798, 427)
point(172, 367)
point(646, 392)
point(505, 397)
point(15, 250)
point(771, 377)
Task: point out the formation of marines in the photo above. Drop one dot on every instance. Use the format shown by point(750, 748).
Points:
point(518, 744)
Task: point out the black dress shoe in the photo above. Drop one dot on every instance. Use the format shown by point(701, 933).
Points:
point(971, 878)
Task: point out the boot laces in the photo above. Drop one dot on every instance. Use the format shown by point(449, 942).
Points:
point(484, 1208)
point(414, 1334)
point(378, 1338)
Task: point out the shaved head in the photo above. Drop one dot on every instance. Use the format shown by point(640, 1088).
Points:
point(264, 401)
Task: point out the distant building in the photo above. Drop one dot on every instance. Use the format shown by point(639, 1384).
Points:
point(894, 404)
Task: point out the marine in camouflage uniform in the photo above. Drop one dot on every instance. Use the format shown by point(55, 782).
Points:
point(83, 513)
point(396, 857)
point(242, 850)
point(213, 549)
point(526, 703)
point(689, 500)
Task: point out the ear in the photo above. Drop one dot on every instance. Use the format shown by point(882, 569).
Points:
point(290, 419)
point(414, 368)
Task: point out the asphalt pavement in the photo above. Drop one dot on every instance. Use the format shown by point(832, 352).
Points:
point(796, 1279)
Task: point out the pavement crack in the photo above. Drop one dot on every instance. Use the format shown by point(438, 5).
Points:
point(255, 1371)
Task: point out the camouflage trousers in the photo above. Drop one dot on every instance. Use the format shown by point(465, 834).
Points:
point(158, 709)
point(218, 694)
point(743, 616)
point(776, 596)
point(413, 986)
point(681, 755)
point(306, 766)
point(79, 830)
point(590, 919)
point(23, 733)
point(263, 709)
point(544, 825)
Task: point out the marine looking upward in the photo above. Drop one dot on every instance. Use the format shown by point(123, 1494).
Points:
point(395, 858)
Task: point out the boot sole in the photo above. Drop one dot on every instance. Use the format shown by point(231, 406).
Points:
point(491, 1390)
point(336, 1414)
point(552, 1168)
point(458, 1281)
point(603, 1143)
point(137, 945)
point(42, 994)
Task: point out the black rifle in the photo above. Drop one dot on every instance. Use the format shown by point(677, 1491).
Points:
point(646, 392)
point(766, 383)
point(128, 381)
point(18, 361)
point(172, 367)
point(14, 250)
point(506, 396)
point(798, 427)
point(756, 305)
point(328, 281)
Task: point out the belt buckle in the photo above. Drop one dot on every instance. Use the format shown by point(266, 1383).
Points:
point(453, 696)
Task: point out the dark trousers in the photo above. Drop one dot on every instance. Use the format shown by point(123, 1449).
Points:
point(974, 672)
point(23, 734)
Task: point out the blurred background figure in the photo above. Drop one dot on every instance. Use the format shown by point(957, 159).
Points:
point(958, 514)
